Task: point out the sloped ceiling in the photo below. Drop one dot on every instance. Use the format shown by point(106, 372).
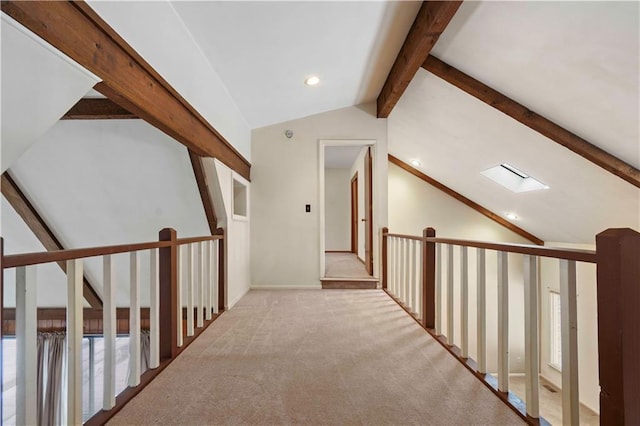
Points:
point(575, 63)
point(263, 51)
point(26, 113)
point(105, 182)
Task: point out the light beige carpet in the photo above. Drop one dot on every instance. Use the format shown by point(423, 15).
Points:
point(344, 265)
point(315, 357)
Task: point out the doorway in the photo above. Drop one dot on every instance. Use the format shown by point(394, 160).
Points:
point(349, 255)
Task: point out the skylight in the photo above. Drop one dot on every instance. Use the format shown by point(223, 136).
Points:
point(513, 179)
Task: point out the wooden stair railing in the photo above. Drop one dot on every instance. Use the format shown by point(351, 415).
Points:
point(173, 324)
point(413, 274)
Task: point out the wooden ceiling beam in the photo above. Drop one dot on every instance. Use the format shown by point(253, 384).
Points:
point(477, 207)
point(533, 120)
point(76, 30)
point(97, 109)
point(203, 188)
point(431, 21)
point(38, 226)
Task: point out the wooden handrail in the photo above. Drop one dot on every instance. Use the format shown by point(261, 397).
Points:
point(36, 258)
point(588, 256)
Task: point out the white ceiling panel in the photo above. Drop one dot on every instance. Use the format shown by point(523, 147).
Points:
point(576, 63)
point(457, 136)
point(263, 51)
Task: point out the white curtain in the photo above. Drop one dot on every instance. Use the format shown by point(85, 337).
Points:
point(51, 378)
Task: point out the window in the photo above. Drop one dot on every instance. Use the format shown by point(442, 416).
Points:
point(555, 357)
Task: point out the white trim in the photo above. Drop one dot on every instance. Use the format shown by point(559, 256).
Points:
point(287, 287)
point(7, 20)
point(237, 299)
point(322, 143)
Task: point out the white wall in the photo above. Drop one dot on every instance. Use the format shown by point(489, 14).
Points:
point(587, 305)
point(337, 207)
point(39, 85)
point(157, 33)
point(105, 182)
point(285, 246)
point(220, 180)
point(415, 205)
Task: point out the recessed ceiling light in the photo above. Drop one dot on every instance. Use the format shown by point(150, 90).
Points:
point(312, 81)
point(416, 162)
point(513, 179)
point(511, 216)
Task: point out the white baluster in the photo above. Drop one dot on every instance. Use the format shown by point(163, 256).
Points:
point(438, 315)
point(109, 329)
point(216, 275)
point(481, 311)
point(420, 296)
point(208, 284)
point(532, 370)
point(464, 302)
point(180, 268)
point(569, 336)
point(134, 319)
point(200, 281)
point(401, 259)
point(450, 331)
point(74, 341)
point(26, 345)
point(503, 321)
point(411, 276)
point(190, 288)
point(154, 310)
point(394, 263)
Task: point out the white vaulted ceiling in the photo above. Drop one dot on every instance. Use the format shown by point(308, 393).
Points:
point(263, 51)
point(576, 63)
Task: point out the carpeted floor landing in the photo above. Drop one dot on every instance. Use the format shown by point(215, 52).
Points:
point(315, 357)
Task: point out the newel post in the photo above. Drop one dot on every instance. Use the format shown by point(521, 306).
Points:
point(168, 281)
point(618, 258)
point(429, 279)
point(222, 279)
point(384, 265)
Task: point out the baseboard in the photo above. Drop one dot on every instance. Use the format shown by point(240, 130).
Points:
point(237, 299)
point(287, 287)
point(338, 251)
point(361, 260)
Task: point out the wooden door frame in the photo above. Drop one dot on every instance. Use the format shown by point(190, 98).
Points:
point(322, 143)
point(354, 213)
point(368, 211)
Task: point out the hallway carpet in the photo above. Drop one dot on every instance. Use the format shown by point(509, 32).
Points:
point(344, 265)
point(319, 358)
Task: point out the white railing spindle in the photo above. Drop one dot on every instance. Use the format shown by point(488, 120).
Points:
point(190, 288)
point(180, 268)
point(26, 345)
point(154, 310)
point(74, 341)
point(215, 274)
point(464, 302)
point(134, 319)
point(200, 274)
point(503, 321)
point(419, 280)
point(481, 310)
point(411, 258)
point(109, 329)
point(450, 294)
point(208, 283)
point(438, 321)
point(569, 333)
point(532, 370)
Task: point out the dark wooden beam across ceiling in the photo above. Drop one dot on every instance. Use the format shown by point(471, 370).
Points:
point(431, 21)
point(477, 207)
point(38, 226)
point(97, 109)
point(76, 30)
point(533, 120)
point(203, 188)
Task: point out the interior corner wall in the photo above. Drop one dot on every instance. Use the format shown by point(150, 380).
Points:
point(587, 307)
point(238, 274)
point(337, 209)
point(285, 240)
point(415, 205)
